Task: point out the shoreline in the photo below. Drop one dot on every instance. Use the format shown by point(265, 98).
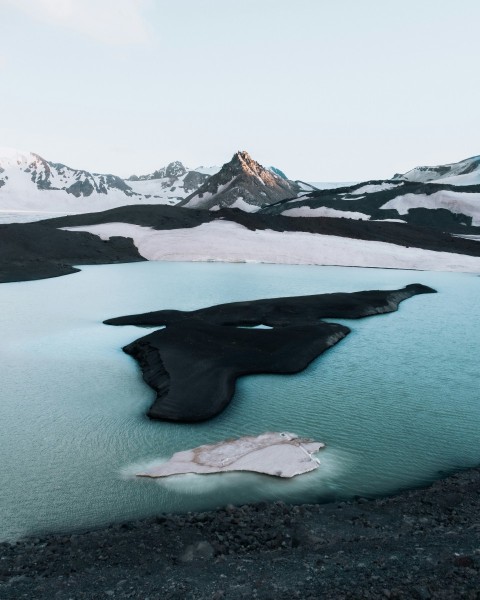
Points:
point(47, 248)
point(417, 543)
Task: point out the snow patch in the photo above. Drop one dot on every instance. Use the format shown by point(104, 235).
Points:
point(245, 206)
point(323, 211)
point(208, 170)
point(224, 241)
point(455, 202)
point(467, 179)
point(375, 187)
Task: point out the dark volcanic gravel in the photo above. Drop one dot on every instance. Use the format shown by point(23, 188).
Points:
point(418, 544)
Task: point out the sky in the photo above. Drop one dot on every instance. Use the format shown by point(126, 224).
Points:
point(342, 90)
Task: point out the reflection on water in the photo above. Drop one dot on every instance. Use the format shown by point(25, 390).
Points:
point(395, 402)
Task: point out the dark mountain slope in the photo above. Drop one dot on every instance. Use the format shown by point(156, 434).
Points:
point(242, 183)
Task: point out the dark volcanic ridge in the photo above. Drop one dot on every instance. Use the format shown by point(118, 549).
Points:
point(194, 362)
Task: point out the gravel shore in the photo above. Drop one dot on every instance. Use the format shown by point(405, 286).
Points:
point(417, 544)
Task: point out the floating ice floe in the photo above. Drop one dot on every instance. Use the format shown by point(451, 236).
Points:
point(278, 454)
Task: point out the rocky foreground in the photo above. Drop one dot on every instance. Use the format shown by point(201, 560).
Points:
point(418, 544)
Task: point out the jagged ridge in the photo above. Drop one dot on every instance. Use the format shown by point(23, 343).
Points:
point(242, 183)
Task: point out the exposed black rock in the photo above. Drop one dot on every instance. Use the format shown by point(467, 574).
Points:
point(193, 365)
point(282, 312)
point(194, 362)
point(193, 180)
point(81, 188)
point(33, 251)
point(242, 179)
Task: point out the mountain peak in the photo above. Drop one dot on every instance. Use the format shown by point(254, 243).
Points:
point(13, 157)
point(243, 157)
point(242, 183)
point(243, 160)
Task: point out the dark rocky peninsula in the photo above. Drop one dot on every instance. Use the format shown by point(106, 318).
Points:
point(194, 362)
point(30, 251)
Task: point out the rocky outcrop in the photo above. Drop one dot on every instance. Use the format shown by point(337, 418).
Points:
point(242, 183)
point(33, 251)
point(194, 362)
point(193, 365)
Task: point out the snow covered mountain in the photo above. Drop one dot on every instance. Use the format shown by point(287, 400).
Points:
point(28, 182)
point(172, 183)
point(466, 172)
point(446, 197)
point(242, 183)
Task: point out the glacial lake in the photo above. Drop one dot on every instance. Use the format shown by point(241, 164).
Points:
point(396, 402)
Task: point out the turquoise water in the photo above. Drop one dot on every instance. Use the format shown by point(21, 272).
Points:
point(396, 402)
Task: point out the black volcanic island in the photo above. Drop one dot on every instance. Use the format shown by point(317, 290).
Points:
point(193, 362)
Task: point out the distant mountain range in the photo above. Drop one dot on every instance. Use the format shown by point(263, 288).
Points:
point(426, 219)
point(446, 197)
point(31, 183)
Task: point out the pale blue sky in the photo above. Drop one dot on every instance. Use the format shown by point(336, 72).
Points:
point(326, 90)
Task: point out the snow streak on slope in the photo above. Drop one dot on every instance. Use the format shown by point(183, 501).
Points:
point(208, 170)
point(372, 188)
point(323, 211)
point(455, 202)
point(465, 172)
point(224, 241)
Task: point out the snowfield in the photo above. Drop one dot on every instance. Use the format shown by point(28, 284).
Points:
point(465, 172)
point(375, 187)
point(19, 195)
point(323, 211)
point(455, 202)
point(223, 241)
